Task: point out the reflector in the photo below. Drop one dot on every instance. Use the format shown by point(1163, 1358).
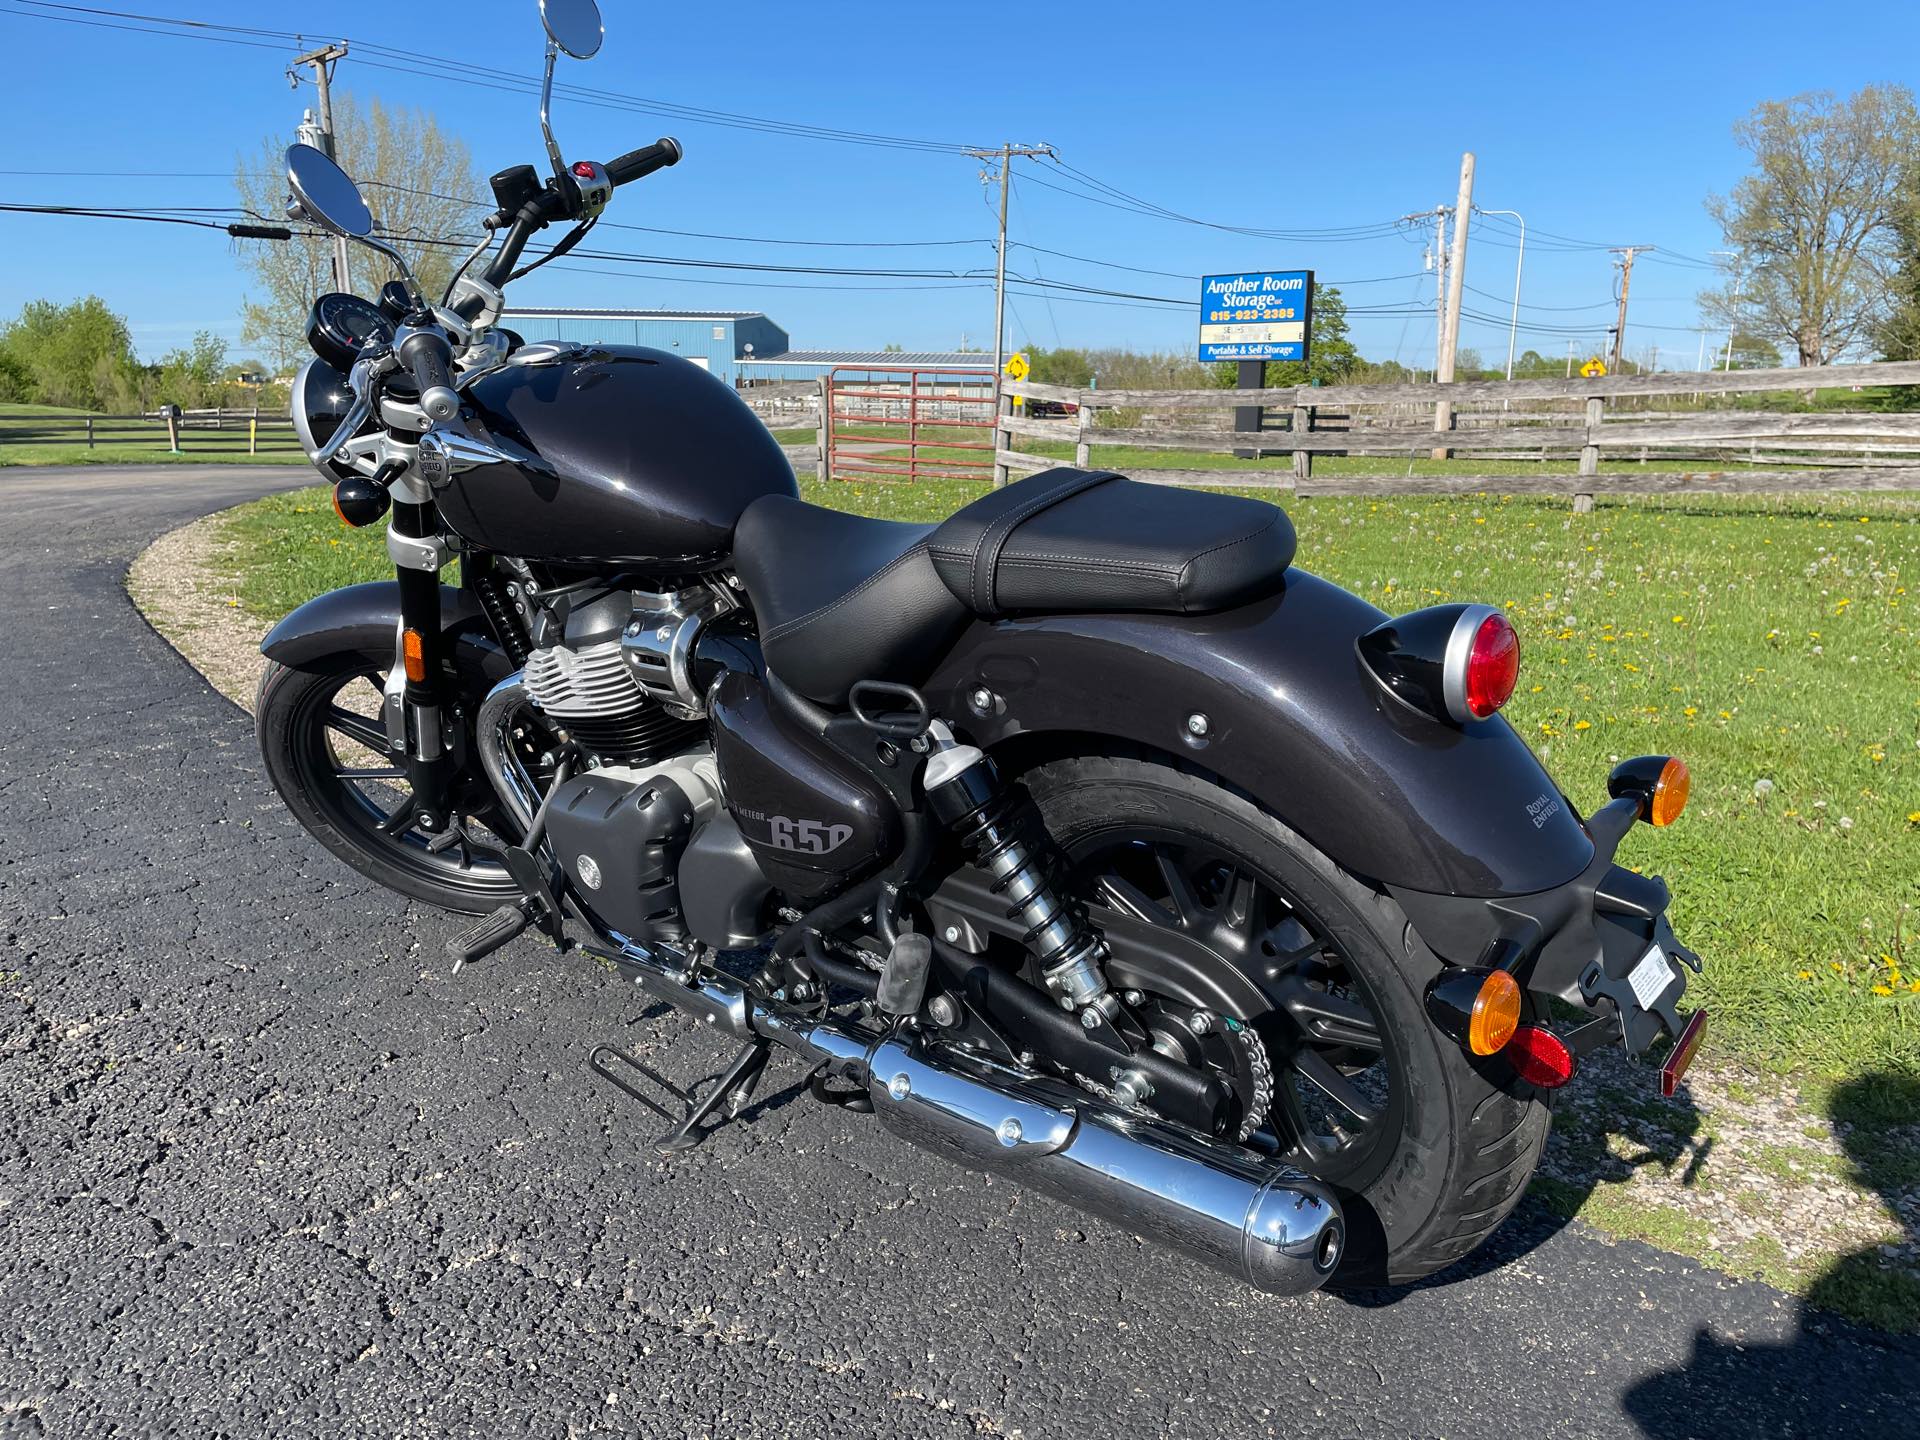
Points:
point(1683, 1053)
point(1540, 1057)
point(413, 653)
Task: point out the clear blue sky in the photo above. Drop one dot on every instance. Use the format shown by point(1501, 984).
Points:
point(1609, 127)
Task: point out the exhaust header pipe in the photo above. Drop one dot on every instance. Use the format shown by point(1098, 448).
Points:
point(1265, 1224)
point(1260, 1222)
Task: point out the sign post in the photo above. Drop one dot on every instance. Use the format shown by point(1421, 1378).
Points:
point(1251, 319)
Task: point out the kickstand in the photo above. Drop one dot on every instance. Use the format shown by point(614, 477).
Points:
point(734, 1088)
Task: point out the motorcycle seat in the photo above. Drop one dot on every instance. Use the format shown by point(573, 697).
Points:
point(842, 598)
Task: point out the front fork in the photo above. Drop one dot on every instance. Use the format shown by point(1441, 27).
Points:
point(421, 718)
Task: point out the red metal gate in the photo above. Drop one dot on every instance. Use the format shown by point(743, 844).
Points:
point(908, 422)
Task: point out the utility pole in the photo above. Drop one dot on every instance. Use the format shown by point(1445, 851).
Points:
point(322, 61)
point(1626, 252)
point(1569, 359)
point(1005, 155)
point(1456, 278)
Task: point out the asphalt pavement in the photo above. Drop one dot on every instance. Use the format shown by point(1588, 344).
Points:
point(266, 1169)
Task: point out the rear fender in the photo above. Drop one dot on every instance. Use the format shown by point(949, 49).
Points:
point(1286, 711)
point(358, 624)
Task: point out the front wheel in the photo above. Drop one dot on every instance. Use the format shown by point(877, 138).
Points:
point(326, 753)
point(1428, 1149)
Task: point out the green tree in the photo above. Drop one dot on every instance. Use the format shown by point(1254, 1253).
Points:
point(193, 377)
point(1750, 352)
point(1331, 356)
point(413, 174)
point(1814, 227)
point(1059, 366)
point(74, 354)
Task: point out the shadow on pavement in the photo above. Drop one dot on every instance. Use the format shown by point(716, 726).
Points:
point(1789, 1389)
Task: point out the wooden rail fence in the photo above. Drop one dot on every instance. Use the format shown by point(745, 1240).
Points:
point(1538, 419)
point(221, 429)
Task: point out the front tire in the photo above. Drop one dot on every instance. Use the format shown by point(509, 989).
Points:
point(1454, 1141)
point(326, 756)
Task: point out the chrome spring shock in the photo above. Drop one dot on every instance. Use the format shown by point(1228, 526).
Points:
point(998, 827)
point(506, 624)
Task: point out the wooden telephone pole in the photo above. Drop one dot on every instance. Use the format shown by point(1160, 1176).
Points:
point(322, 61)
point(1004, 155)
point(1626, 252)
point(1456, 278)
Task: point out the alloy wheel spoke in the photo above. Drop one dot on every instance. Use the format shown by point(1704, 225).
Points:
point(1181, 898)
point(1319, 1072)
point(358, 728)
point(1324, 1018)
point(1128, 898)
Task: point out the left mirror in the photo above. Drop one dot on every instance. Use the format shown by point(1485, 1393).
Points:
point(573, 25)
point(327, 193)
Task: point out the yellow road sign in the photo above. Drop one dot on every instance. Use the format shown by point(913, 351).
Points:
point(1594, 368)
point(1017, 365)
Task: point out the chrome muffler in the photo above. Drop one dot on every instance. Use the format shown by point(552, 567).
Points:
point(1260, 1222)
point(1256, 1220)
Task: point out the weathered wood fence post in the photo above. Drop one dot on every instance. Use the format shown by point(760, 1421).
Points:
point(1302, 459)
point(822, 439)
point(89, 432)
point(1002, 439)
point(1083, 443)
point(1589, 454)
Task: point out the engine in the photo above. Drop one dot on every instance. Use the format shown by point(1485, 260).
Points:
point(615, 673)
point(648, 847)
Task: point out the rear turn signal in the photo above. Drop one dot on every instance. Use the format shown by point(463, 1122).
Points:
point(1479, 1009)
point(1540, 1057)
point(1658, 783)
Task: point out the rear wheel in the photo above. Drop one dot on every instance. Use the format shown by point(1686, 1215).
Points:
point(326, 753)
point(1429, 1149)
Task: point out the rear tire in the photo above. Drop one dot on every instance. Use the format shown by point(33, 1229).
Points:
point(1465, 1135)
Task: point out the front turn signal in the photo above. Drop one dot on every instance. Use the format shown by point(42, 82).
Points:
point(359, 501)
point(1657, 783)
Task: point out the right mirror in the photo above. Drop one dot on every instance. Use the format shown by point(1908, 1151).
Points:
point(573, 25)
point(327, 193)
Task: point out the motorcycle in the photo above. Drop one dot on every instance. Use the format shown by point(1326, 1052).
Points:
point(1083, 837)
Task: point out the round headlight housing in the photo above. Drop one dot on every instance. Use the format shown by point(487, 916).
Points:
point(321, 399)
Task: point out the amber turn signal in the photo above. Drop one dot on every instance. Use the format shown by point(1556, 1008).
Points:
point(413, 655)
point(359, 501)
point(1657, 783)
point(1479, 1009)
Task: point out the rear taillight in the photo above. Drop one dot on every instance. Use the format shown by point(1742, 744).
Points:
point(1493, 666)
point(1457, 663)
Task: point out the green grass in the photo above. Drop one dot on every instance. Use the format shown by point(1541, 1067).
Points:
point(1763, 640)
point(144, 454)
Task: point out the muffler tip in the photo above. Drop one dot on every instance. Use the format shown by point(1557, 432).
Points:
point(1295, 1236)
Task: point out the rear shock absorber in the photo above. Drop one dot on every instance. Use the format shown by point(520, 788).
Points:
point(1001, 831)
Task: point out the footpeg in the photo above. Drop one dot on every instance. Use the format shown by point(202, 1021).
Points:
point(730, 1093)
point(491, 933)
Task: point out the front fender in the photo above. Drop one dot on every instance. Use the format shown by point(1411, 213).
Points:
point(1293, 718)
point(359, 623)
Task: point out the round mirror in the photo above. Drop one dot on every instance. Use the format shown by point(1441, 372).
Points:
point(573, 25)
point(327, 193)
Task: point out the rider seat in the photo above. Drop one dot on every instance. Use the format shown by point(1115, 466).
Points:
point(842, 598)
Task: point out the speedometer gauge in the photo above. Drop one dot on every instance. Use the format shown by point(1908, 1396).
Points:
point(342, 325)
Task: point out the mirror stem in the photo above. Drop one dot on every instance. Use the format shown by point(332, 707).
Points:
point(546, 104)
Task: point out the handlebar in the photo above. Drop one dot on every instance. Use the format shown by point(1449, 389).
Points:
point(637, 164)
point(426, 353)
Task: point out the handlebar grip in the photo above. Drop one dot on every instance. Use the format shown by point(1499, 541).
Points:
point(260, 232)
point(427, 354)
point(648, 158)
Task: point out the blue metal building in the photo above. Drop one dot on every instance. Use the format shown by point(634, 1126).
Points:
point(741, 347)
point(715, 340)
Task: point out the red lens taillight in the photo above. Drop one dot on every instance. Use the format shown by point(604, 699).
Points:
point(1540, 1057)
point(1493, 666)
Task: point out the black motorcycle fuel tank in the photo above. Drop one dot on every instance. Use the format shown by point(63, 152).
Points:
point(630, 455)
point(811, 817)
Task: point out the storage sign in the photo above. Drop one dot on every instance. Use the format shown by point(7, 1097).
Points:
point(1262, 316)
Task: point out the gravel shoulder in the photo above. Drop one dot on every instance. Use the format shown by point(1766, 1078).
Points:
point(1815, 1191)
